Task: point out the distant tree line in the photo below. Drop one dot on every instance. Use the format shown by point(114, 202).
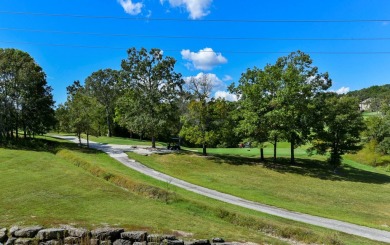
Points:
point(26, 102)
point(373, 97)
point(373, 92)
point(285, 101)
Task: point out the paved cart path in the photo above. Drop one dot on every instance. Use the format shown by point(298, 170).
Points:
point(118, 152)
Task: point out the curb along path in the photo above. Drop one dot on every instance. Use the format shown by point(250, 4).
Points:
point(118, 153)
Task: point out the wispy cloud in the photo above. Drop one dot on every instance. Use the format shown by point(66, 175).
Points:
point(130, 7)
point(196, 8)
point(342, 90)
point(225, 95)
point(227, 78)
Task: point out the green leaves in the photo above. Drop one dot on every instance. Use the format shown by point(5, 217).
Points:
point(154, 89)
point(342, 125)
point(26, 101)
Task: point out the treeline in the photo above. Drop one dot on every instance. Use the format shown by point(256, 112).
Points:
point(287, 100)
point(26, 102)
point(284, 101)
point(373, 92)
point(373, 98)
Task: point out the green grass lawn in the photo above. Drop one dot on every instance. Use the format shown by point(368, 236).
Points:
point(370, 114)
point(283, 150)
point(354, 194)
point(121, 141)
point(52, 182)
point(48, 189)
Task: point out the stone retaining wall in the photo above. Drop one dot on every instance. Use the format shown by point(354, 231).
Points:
point(67, 235)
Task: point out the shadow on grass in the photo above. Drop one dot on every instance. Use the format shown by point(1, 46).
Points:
point(307, 167)
point(46, 144)
point(322, 170)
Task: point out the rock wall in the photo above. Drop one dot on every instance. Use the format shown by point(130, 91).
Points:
point(67, 235)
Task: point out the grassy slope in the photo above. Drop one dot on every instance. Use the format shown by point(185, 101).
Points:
point(46, 188)
point(354, 194)
point(41, 188)
point(279, 191)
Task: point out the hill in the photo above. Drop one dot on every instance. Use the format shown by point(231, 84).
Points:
point(373, 92)
point(54, 182)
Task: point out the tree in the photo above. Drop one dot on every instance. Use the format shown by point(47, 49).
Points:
point(257, 91)
point(198, 121)
point(154, 87)
point(300, 83)
point(62, 115)
point(26, 101)
point(377, 132)
point(226, 120)
point(342, 125)
point(103, 85)
point(83, 111)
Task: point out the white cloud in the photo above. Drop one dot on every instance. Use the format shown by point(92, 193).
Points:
point(206, 59)
point(342, 90)
point(196, 8)
point(130, 7)
point(215, 81)
point(227, 78)
point(225, 95)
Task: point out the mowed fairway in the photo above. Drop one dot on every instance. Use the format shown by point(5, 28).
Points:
point(283, 149)
point(353, 195)
point(121, 141)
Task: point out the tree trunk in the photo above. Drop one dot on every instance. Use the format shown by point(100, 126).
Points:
point(109, 134)
point(87, 140)
point(292, 148)
point(262, 154)
point(24, 131)
point(275, 147)
point(79, 135)
point(204, 150)
point(153, 142)
point(17, 125)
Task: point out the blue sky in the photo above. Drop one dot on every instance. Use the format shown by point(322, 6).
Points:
point(68, 48)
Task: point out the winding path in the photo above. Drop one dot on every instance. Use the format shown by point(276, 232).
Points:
point(118, 152)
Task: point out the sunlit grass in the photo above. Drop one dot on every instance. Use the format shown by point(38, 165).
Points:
point(352, 194)
point(68, 185)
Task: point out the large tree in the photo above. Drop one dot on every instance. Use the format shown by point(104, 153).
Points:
point(83, 110)
point(300, 83)
point(341, 128)
point(25, 98)
point(104, 86)
point(154, 87)
point(257, 91)
point(199, 119)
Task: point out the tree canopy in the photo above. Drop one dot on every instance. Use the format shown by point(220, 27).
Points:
point(341, 129)
point(276, 101)
point(153, 87)
point(26, 101)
